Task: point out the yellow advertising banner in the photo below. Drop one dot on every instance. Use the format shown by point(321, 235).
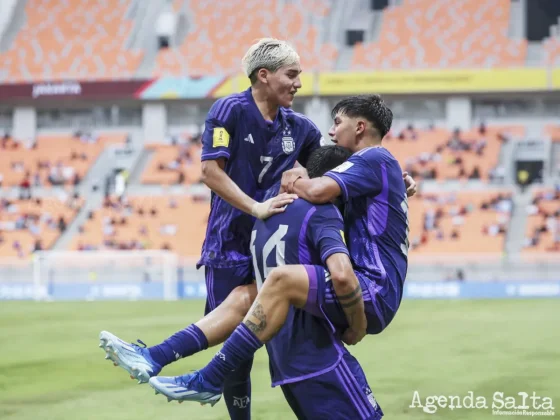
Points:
point(555, 79)
point(241, 82)
point(433, 81)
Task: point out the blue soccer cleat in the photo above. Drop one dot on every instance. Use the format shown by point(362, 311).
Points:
point(131, 357)
point(191, 387)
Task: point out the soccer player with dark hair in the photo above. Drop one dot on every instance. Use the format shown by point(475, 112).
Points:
point(250, 139)
point(306, 357)
point(376, 220)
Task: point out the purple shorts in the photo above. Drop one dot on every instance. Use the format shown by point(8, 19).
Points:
point(220, 282)
point(322, 301)
point(342, 393)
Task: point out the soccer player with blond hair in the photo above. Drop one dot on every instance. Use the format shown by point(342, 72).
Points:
point(250, 139)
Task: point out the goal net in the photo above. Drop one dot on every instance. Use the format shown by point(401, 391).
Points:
point(95, 275)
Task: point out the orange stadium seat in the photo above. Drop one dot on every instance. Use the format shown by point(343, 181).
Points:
point(554, 132)
point(223, 31)
point(552, 50)
point(478, 230)
point(180, 228)
point(443, 33)
point(72, 157)
point(169, 161)
point(46, 213)
point(72, 39)
point(543, 222)
point(427, 150)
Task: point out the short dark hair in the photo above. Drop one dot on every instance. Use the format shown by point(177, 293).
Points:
point(253, 77)
point(326, 158)
point(370, 107)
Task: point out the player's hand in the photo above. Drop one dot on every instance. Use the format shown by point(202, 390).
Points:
point(289, 178)
point(273, 205)
point(351, 337)
point(410, 184)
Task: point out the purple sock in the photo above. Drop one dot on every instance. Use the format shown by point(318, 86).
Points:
point(238, 348)
point(189, 341)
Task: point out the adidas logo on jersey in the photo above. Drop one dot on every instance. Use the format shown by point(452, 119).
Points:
point(249, 138)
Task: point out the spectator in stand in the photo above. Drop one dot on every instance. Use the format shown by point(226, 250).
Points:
point(37, 179)
point(25, 189)
point(17, 247)
point(475, 173)
point(62, 224)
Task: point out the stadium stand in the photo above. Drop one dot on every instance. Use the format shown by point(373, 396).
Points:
point(543, 221)
point(554, 132)
point(441, 33)
point(176, 223)
point(464, 222)
point(34, 224)
point(51, 160)
point(83, 39)
point(173, 164)
point(443, 155)
point(210, 48)
point(71, 39)
point(552, 50)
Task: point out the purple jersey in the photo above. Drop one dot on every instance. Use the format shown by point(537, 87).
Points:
point(303, 234)
point(257, 153)
point(376, 220)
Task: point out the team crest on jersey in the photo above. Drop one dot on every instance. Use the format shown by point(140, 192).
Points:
point(288, 143)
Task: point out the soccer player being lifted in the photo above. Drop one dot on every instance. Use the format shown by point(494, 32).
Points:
point(250, 139)
point(319, 377)
point(359, 298)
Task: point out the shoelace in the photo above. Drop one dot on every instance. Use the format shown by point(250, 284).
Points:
point(196, 376)
point(143, 345)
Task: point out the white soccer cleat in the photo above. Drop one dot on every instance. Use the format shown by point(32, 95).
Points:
point(133, 358)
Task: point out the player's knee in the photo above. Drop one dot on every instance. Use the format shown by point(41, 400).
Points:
point(285, 281)
point(242, 297)
point(278, 278)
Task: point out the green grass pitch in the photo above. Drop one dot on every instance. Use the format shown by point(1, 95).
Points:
point(51, 367)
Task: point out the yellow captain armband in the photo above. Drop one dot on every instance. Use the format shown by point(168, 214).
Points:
point(220, 138)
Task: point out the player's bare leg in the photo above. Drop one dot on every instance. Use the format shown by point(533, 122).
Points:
point(285, 286)
point(218, 325)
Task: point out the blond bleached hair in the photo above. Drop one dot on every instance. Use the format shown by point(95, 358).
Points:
point(268, 53)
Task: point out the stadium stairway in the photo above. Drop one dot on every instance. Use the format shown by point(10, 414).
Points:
point(535, 54)
point(516, 27)
point(103, 166)
point(13, 26)
point(93, 202)
point(143, 34)
point(333, 24)
point(351, 15)
point(140, 166)
point(505, 160)
point(555, 163)
point(517, 223)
